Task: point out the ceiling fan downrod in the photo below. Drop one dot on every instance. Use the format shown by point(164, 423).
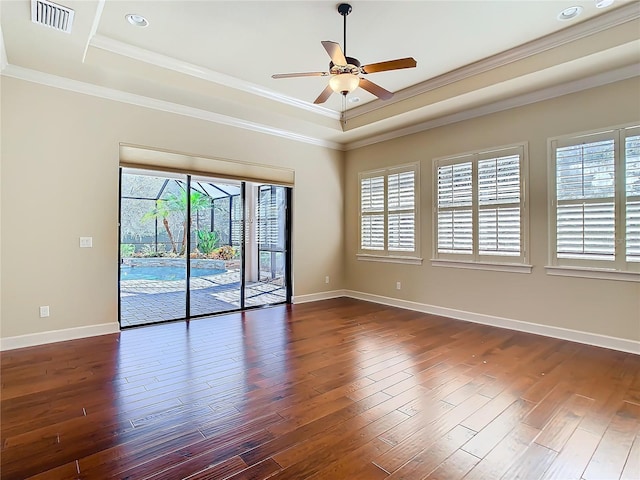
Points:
point(344, 9)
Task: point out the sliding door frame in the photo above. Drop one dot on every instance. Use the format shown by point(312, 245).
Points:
point(243, 240)
point(288, 227)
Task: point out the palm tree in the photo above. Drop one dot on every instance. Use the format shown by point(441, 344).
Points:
point(161, 210)
point(173, 203)
point(178, 203)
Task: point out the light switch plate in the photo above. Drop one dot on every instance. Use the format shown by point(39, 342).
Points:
point(86, 242)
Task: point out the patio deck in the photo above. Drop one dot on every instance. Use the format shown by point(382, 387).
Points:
point(150, 301)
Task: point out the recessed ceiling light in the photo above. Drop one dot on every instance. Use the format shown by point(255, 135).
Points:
point(569, 13)
point(136, 20)
point(603, 3)
point(354, 99)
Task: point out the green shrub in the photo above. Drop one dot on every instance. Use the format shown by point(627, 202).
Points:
point(127, 250)
point(207, 241)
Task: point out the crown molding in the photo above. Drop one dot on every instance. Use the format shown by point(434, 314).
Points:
point(55, 81)
point(185, 68)
point(598, 80)
point(3, 53)
point(626, 13)
point(94, 27)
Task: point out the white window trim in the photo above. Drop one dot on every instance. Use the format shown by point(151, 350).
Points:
point(476, 261)
point(386, 256)
point(575, 267)
point(489, 266)
point(598, 273)
point(389, 259)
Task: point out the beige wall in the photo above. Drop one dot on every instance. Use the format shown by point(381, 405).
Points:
point(59, 181)
point(597, 306)
point(60, 155)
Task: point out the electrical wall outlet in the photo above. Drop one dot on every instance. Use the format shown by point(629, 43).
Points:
point(326, 279)
point(44, 311)
point(398, 285)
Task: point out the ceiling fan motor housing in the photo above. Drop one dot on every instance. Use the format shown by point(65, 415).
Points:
point(352, 66)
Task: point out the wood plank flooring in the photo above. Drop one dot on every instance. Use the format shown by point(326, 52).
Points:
point(338, 389)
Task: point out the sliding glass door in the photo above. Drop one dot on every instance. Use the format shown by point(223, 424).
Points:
point(153, 266)
point(267, 275)
point(193, 246)
point(215, 258)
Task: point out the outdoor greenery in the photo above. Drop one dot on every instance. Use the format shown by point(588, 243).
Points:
point(207, 241)
point(127, 249)
point(226, 252)
point(158, 227)
point(177, 203)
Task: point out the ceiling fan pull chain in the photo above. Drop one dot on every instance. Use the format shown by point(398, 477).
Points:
point(344, 109)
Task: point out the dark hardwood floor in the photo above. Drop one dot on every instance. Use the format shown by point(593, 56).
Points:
point(338, 389)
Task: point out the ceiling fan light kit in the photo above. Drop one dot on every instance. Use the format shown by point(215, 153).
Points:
point(344, 83)
point(344, 71)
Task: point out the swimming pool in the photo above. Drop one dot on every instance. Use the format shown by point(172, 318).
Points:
point(164, 273)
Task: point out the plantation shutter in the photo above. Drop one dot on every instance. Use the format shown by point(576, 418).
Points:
point(372, 213)
point(585, 192)
point(632, 181)
point(499, 206)
point(479, 206)
point(454, 205)
point(236, 221)
point(597, 200)
point(388, 211)
point(401, 211)
point(267, 228)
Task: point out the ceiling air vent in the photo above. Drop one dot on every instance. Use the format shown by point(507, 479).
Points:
point(52, 15)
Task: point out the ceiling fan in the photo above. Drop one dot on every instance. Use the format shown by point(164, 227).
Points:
point(344, 70)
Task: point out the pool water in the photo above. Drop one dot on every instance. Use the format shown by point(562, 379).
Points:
point(164, 273)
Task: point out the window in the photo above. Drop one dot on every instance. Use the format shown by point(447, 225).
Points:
point(595, 200)
point(480, 210)
point(388, 214)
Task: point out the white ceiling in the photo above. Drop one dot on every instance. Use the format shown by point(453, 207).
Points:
point(214, 59)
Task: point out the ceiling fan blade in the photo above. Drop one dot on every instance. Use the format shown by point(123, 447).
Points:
point(377, 90)
point(326, 93)
point(335, 52)
point(408, 62)
point(303, 74)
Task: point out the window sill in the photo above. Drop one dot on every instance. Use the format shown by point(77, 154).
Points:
point(389, 259)
point(598, 273)
point(495, 267)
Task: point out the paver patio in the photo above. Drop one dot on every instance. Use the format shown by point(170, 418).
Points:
point(150, 301)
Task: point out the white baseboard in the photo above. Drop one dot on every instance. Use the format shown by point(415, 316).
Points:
point(614, 343)
point(314, 297)
point(41, 338)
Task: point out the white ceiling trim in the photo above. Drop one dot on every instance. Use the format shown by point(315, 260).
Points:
point(170, 63)
point(3, 53)
point(139, 100)
point(55, 81)
point(94, 27)
point(589, 27)
point(598, 80)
